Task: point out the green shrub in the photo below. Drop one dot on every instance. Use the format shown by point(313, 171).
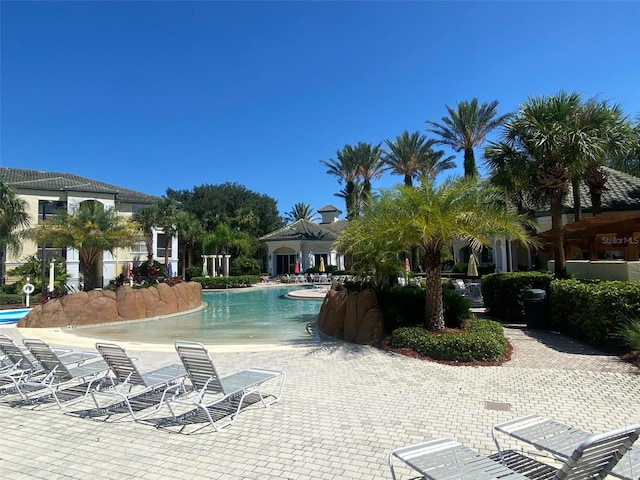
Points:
point(593, 311)
point(192, 272)
point(456, 308)
point(244, 266)
point(483, 340)
point(502, 292)
point(10, 298)
point(629, 334)
point(227, 282)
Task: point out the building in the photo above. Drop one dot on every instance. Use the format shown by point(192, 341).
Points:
point(604, 246)
point(305, 243)
point(46, 192)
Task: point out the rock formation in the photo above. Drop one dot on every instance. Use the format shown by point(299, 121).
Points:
point(126, 303)
point(354, 317)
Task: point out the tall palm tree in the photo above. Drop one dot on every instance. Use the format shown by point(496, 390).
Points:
point(190, 232)
point(91, 229)
point(412, 156)
point(551, 132)
point(370, 165)
point(345, 167)
point(13, 216)
point(466, 128)
point(432, 217)
point(301, 211)
point(612, 123)
point(166, 212)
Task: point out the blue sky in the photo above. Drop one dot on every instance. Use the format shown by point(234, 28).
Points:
point(151, 95)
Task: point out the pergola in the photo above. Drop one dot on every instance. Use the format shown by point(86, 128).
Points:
point(615, 231)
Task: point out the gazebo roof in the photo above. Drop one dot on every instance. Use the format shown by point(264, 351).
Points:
point(306, 230)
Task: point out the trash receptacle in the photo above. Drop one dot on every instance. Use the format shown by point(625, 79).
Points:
point(535, 307)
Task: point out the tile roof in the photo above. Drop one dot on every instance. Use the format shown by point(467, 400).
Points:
point(305, 230)
point(329, 208)
point(623, 192)
point(38, 180)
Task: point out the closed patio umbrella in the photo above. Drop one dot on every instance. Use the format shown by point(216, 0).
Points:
point(472, 269)
point(169, 270)
point(51, 276)
point(321, 267)
point(296, 269)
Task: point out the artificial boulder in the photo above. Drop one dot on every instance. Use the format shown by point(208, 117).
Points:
point(354, 317)
point(103, 306)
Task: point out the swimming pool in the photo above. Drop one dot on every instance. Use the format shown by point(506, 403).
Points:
point(255, 315)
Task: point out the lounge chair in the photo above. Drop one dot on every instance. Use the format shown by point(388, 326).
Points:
point(131, 384)
point(19, 364)
point(58, 374)
point(593, 458)
point(560, 440)
point(207, 389)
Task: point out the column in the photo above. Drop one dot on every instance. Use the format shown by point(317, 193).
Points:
point(226, 265)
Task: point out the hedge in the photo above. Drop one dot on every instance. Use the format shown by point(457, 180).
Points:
point(502, 292)
point(10, 298)
point(593, 311)
point(227, 282)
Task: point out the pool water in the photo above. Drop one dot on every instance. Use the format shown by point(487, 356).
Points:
point(256, 315)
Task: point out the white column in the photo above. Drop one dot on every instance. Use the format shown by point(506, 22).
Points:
point(226, 265)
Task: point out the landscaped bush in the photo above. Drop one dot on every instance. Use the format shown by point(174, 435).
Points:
point(10, 298)
point(593, 311)
point(502, 292)
point(483, 340)
point(405, 306)
point(227, 282)
point(192, 272)
point(244, 266)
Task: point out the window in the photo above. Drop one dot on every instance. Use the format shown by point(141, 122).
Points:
point(46, 208)
point(140, 248)
point(164, 244)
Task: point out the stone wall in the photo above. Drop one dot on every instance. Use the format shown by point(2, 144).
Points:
point(354, 317)
point(126, 303)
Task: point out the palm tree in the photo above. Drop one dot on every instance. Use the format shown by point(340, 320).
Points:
point(370, 165)
point(466, 128)
point(147, 217)
point(190, 232)
point(552, 134)
point(346, 168)
point(612, 123)
point(13, 216)
point(432, 217)
point(301, 211)
point(91, 229)
point(412, 156)
point(166, 212)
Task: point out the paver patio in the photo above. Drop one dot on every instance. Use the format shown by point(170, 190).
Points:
point(344, 408)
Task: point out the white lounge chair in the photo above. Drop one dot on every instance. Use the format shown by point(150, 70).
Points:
point(560, 440)
point(58, 374)
point(206, 389)
point(20, 365)
point(445, 459)
point(129, 384)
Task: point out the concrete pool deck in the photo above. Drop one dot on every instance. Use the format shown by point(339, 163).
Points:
point(345, 407)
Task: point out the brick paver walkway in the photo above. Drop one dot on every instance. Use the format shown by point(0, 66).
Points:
point(345, 407)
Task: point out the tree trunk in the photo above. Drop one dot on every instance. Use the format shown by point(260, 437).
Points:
point(408, 181)
point(596, 203)
point(434, 313)
point(557, 234)
point(89, 276)
point(469, 163)
point(577, 207)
